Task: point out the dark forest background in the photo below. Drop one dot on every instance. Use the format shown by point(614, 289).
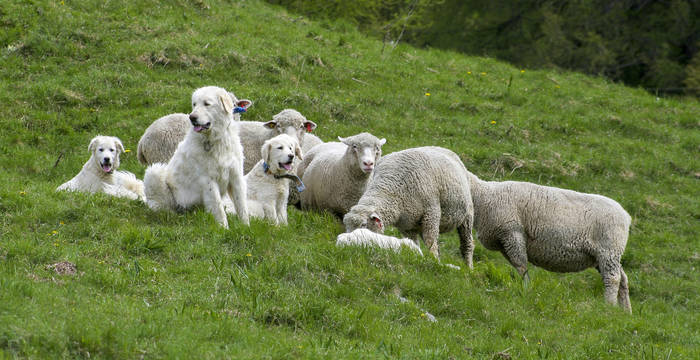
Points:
point(646, 43)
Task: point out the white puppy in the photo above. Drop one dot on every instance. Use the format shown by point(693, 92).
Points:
point(99, 174)
point(268, 181)
point(364, 237)
point(207, 164)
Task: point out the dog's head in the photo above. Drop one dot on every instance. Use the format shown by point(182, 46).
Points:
point(366, 148)
point(105, 152)
point(279, 153)
point(213, 108)
point(292, 123)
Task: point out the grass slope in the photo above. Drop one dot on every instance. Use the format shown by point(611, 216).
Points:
point(159, 285)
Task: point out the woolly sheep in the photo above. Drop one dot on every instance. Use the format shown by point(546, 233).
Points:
point(364, 237)
point(420, 191)
point(159, 141)
point(338, 174)
point(556, 229)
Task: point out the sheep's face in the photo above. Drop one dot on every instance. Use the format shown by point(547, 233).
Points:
point(362, 217)
point(105, 152)
point(366, 148)
point(279, 153)
point(292, 123)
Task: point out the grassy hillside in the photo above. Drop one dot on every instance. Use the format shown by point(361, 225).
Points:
point(159, 285)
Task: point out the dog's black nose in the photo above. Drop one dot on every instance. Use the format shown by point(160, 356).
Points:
point(193, 117)
point(107, 160)
point(291, 156)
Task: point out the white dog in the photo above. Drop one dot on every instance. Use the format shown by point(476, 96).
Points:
point(207, 164)
point(268, 181)
point(99, 174)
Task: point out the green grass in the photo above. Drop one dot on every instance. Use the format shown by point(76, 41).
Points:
point(160, 285)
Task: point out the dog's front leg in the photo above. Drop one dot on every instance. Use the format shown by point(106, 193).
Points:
point(237, 190)
point(281, 209)
point(213, 203)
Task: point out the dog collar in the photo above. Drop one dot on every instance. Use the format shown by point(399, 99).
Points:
point(300, 185)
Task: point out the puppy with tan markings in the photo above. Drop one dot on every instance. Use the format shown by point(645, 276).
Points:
point(268, 181)
point(207, 164)
point(100, 174)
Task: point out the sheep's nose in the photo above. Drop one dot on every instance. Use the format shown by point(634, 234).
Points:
point(368, 163)
point(193, 117)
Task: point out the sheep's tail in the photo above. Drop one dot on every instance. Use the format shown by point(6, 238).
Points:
point(158, 193)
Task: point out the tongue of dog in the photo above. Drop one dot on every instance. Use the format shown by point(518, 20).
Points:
point(287, 166)
point(106, 167)
point(198, 128)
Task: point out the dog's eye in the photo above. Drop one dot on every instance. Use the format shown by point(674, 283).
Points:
point(100, 149)
point(280, 148)
point(207, 103)
point(194, 104)
point(112, 150)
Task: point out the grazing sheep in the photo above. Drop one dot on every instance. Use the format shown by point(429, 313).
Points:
point(420, 191)
point(337, 172)
point(556, 229)
point(364, 237)
point(159, 141)
point(206, 165)
point(268, 181)
point(100, 174)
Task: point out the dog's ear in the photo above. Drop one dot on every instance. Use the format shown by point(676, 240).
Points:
point(93, 144)
point(226, 102)
point(309, 125)
point(265, 152)
point(270, 124)
point(119, 145)
point(297, 151)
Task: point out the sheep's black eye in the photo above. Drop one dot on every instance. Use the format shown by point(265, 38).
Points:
point(207, 103)
point(279, 148)
point(354, 146)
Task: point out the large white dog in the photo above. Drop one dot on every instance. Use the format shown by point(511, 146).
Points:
point(99, 174)
point(207, 164)
point(268, 181)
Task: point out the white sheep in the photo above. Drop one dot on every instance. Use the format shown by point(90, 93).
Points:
point(365, 237)
point(159, 141)
point(556, 229)
point(336, 173)
point(420, 191)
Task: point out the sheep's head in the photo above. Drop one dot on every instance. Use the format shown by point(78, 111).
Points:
point(363, 217)
point(366, 148)
point(292, 123)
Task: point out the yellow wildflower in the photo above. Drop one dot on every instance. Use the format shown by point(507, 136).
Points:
point(61, 223)
point(522, 71)
point(493, 122)
point(127, 150)
point(249, 254)
point(469, 72)
point(483, 73)
point(427, 94)
point(23, 193)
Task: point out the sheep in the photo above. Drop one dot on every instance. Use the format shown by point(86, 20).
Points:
point(556, 229)
point(420, 191)
point(364, 237)
point(338, 174)
point(159, 141)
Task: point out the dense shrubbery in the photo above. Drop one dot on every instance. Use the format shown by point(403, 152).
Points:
point(640, 42)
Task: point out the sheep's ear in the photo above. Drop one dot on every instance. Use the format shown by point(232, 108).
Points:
point(226, 102)
point(298, 152)
point(309, 125)
point(244, 103)
point(342, 140)
point(119, 145)
point(382, 142)
point(374, 217)
point(270, 124)
point(93, 144)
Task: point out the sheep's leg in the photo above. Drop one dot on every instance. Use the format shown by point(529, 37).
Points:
point(515, 251)
point(610, 271)
point(213, 203)
point(623, 294)
point(431, 231)
point(466, 244)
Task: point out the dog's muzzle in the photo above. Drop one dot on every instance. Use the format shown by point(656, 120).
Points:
point(194, 119)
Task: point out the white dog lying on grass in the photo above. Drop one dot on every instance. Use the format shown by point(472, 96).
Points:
point(100, 174)
point(207, 164)
point(367, 238)
point(268, 181)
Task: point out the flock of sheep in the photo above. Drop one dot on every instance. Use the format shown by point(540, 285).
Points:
point(421, 191)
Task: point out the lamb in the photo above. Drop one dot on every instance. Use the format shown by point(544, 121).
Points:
point(159, 141)
point(364, 237)
point(556, 229)
point(420, 191)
